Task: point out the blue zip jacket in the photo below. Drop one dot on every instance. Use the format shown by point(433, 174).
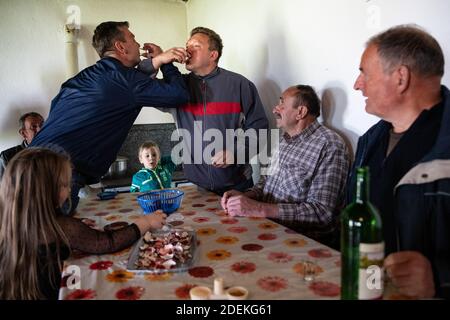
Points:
point(221, 101)
point(92, 114)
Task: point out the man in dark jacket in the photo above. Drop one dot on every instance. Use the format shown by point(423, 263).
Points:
point(30, 123)
point(221, 103)
point(408, 153)
point(92, 114)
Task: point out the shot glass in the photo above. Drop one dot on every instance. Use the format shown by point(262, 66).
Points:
point(309, 270)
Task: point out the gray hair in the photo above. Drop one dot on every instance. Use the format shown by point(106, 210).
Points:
point(411, 46)
point(25, 116)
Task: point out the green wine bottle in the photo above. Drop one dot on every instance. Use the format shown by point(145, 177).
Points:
point(362, 246)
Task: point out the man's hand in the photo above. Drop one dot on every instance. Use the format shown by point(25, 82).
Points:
point(222, 159)
point(240, 205)
point(171, 55)
point(226, 196)
point(152, 50)
point(411, 273)
point(243, 206)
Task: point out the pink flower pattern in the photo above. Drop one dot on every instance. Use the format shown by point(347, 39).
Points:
point(130, 293)
point(325, 289)
point(280, 257)
point(201, 219)
point(101, 265)
point(272, 284)
point(320, 253)
point(243, 267)
point(80, 294)
point(237, 229)
point(229, 221)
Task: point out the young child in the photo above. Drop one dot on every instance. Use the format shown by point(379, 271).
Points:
point(157, 171)
point(35, 237)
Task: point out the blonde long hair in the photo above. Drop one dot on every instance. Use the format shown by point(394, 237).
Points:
point(29, 198)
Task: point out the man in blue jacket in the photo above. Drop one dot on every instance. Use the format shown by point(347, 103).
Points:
point(408, 153)
point(92, 114)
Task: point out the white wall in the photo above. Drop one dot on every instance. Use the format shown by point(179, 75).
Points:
point(275, 43)
point(285, 42)
point(33, 54)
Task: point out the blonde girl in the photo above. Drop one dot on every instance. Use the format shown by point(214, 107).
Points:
point(35, 238)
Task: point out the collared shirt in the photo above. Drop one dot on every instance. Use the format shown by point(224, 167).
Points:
point(306, 179)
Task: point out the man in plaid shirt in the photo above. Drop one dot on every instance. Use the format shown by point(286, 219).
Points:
point(305, 186)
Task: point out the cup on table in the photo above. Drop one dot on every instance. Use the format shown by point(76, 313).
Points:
point(200, 293)
point(237, 293)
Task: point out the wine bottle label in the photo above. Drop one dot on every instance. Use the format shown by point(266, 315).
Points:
point(371, 271)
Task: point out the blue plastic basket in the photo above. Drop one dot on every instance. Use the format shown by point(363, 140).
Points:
point(167, 200)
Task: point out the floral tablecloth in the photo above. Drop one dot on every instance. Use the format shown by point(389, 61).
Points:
point(256, 253)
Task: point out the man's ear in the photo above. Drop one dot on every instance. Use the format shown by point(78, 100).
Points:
point(214, 55)
point(22, 133)
point(302, 112)
point(120, 48)
point(403, 78)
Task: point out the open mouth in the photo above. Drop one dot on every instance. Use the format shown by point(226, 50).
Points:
point(188, 57)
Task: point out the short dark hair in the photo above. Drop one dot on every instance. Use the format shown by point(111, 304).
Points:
point(24, 117)
point(106, 33)
point(215, 42)
point(306, 96)
point(410, 46)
